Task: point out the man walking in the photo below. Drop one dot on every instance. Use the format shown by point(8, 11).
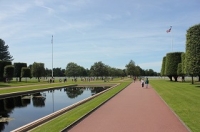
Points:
point(147, 82)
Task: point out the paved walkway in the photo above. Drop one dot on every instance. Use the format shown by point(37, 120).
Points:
point(135, 109)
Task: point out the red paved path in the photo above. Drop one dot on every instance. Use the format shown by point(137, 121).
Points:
point(135, 109)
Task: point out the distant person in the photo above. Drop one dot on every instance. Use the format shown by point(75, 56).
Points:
point(147, 82)
point(134, 79)
point(142, 82)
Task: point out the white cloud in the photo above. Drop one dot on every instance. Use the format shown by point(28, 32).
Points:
point(88, 31)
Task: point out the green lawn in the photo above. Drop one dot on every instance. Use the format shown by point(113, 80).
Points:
point(183, 98)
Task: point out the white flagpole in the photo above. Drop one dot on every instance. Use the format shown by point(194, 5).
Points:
point(52, 55)
point(168, 31)
point(171, 41)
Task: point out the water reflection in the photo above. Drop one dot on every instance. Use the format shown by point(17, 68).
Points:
point(73, 92)
point(39, 99)
point(44, 100)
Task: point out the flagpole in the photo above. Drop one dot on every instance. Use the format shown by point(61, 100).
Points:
point(52, 55)
point(168, 31)
point(171, 42)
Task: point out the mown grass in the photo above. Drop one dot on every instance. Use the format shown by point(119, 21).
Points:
point(34, 84)
point(66, 119)
point(183, 98)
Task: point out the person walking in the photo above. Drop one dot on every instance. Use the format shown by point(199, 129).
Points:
point(142, 82)
point(147, 82)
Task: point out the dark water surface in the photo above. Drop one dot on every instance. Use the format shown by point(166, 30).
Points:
point(24, 109)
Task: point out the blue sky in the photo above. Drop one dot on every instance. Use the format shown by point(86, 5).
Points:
point(89, 31)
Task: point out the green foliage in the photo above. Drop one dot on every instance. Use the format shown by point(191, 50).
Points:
point(73, 70)
point(25, 72)
point(163, 66)
point(57, 72)
point(99, 69)
point(132, 69)
point(38, 70)
point(115, 72)
point(18, 66)
point(2, 65)
point(4, 53)
point(183, 61)
point(193, 50)
point(179, 70)
point(171, 64)
point(83, 71)
point(8, 71)
point(149, 72)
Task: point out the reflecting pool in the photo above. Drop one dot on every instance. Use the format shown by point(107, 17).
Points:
point(17, 111)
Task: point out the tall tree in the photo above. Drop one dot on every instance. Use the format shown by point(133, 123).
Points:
point(48, 72)
point(8, 72)
point(99, 69)
point(2, 65)
point(193, 51)
point(18, 66)
point(38, 70)
point(83, 71)
point(132, 69)
point(4, 53)
point(25, 72)
point(162, 73)
point(183, 61)
point(72, 70)
point(171, 64)
point(58, 72)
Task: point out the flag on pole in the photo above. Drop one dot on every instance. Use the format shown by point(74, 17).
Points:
point(169, 30)
point(52, 39)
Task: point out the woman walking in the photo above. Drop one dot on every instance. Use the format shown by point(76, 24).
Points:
point(142, 82)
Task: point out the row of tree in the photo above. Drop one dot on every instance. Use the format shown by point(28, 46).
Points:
point(98, 69)
point(184, 63)
point(20, 70)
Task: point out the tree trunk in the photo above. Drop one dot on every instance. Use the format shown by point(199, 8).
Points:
point(38, 79)
point(183, 78)
point(192, 80)
point(170, 77)
point(175, 78)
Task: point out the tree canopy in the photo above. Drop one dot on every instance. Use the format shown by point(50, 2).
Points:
point(38, 70)
point(4, 53)
point(171, 64)
point(18, 67)
point(99, 69)
point(132, 69)
point(193, 50)
point(2, 65)
point(163, 66)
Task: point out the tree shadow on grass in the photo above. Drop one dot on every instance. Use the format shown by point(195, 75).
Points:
point(3, 86)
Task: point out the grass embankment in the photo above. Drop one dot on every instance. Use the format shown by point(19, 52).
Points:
point(183, 98)
point(66, 119)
